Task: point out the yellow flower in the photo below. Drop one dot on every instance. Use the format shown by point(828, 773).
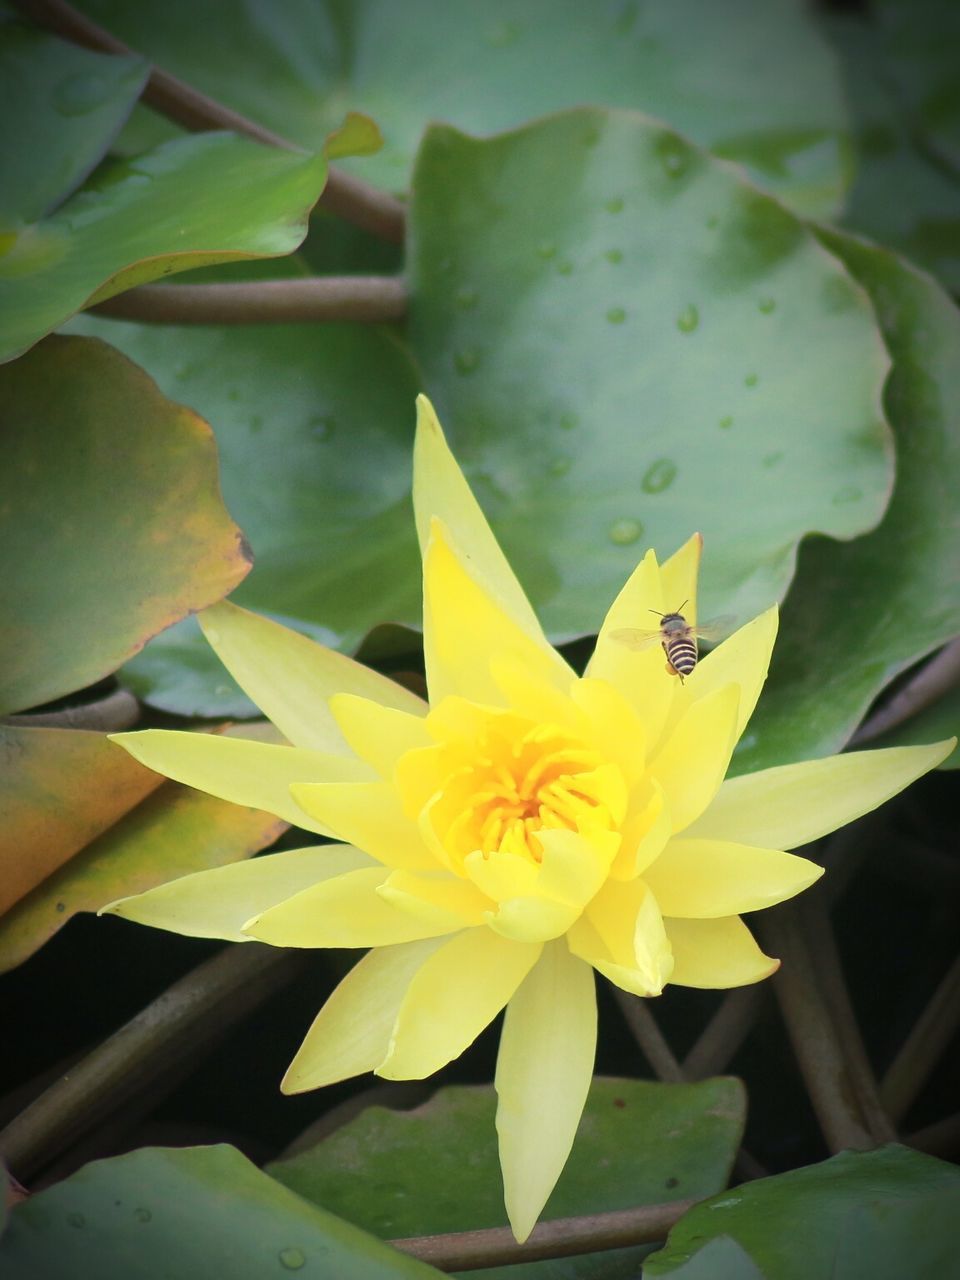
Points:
point(525, 828)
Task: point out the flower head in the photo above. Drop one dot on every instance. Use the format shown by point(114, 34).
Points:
point(524, 828)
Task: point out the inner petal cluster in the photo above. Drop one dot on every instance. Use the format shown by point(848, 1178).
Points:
point(515, 780)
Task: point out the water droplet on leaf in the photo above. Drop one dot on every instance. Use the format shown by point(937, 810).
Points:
point(614, 255)
point(616, 315)
point(615, 205)
point(568, 421)
point(560, 465)
point(766, 305)
point(322, 426)
point(565, 268)
point(142, 1215)
point(625, 532)
point(726, 421)
point(771, 459)
point(466, 298)
point(688, 319)
point(751, 379)
point(466, 361)
point(659, 475)
point(292, 1259)
point(546, 249)
point(849, 493)
point(76, 1220)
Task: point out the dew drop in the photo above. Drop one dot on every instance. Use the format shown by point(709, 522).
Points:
point(713, 222)
point(615, 205)
point(568, 421)
point(565, 268)
point(466, 361)
point(771, 459)
point(292, 1259)
point(222, 690)
point(322, 426)
point(61, 906)
point(726, 421)
point(233, 394)
point(625, 532)
point(80, 93)
point(591, 137)
point(466, 298)
point(616, 315)
point(673, 156)
point(142, 1215)
point(547, 249)
point(766, 305)
point(560, 465)
point(688, 319)
point(256, 423)
point(503, 35)
point(751, 379)
point(849, 493)
point(659, 475)
point(614, 255)
point(76, 1220)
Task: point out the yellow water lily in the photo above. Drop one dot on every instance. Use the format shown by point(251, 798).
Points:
point(526, 827)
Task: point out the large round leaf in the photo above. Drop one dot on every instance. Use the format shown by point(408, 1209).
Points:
point(315, 432)
point(752, 79)
point(111, 521)
point(626, 343)
point(840, 1218)
point(859, 614)
point(201, 1211)
point(638, 1142)
point(63, 105)
point(191, 202)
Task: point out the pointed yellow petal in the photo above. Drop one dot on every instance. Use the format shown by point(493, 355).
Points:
point(621, 934)
point(544, 1068)
point(216, 903)
point(693, 759)
point(454, 995)
point(710, 878)
point(716, 954)
point(535, 693)
point(436, 896)
point(440, 489)
point(256, 774)
point(792, 804)
point(345, 912)
point(464, 625)
point(501, 875)
point(639, 675)
point(613, 725)
point(742, 659)
point(351, 1032)
point(646, 830)
point(378, 734)
point(368, 815)
point(291, 678)
point(575, 866)
point(534, 919)
point(679, 578)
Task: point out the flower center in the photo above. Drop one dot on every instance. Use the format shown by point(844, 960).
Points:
point(515, 780)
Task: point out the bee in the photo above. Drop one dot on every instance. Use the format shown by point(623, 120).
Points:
point(676, 635)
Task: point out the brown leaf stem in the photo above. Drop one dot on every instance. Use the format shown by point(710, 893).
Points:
point(373, 299)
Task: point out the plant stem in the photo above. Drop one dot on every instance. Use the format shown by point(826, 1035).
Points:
point(562, 1238)
point(372, 299)
point(724, 1033)
point(348, 197)
point(188, 1017)
point(921, 1050)
point(648, 1036)
point(934, 679)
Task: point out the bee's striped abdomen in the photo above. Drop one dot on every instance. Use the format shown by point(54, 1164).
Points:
point(681, 654)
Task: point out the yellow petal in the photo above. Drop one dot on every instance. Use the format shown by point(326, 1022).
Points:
point(710, 878)
point(742, 659)
point(454, 995)
point(639, 675)
point(534, 919)
point(351, 1032)
point(464, 625)
point(716, 954)
point(613, 725)
point(216, 903)
point(440, 489)
point(501, 875)
point(256, 774)
point(368, 815)
point(534, 693)
point(344, 912)
point(678, 576)
point(291, 678)
point(378, 734)
point(436, 896)
point(621, 934)
point(646, 830)
point(544, 1068)
point(792, 804)
point(693, 759)
point(574, 866)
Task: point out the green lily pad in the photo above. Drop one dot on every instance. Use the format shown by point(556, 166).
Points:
point(627, 343)
point(111, 522)
point(935, 723)
point(315, 432)
point(72, 100)
point(59, 789)
point(404, 1173)
point(189, 203)
point(815, 1221)
point(199, 1211)
point(905, 192)
point(858, 614)
point(753, 80)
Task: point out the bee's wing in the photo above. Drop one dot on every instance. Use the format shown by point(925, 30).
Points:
point(716, 629)
point(635, 637)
